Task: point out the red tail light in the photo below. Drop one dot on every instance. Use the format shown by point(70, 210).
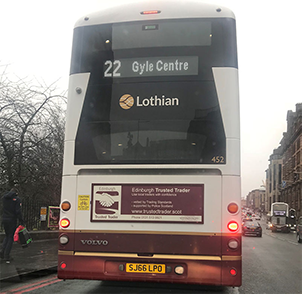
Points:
point(64, 222)
point(233, 272)
point(150, 12)
point(63, 265)
point(233, 226)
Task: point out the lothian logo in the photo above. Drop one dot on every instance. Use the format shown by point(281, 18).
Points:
point(127, 101)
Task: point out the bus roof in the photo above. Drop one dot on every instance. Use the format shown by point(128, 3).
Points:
point(277, 203)
point(168, 10)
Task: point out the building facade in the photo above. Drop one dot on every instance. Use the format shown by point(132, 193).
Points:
point(256, 200)
point(291, 151)
point(243, 202)
point(274, 179)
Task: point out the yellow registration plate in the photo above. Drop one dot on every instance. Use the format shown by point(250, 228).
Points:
point(149, 268)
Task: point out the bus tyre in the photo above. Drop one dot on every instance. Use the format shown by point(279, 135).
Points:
point(299, 239)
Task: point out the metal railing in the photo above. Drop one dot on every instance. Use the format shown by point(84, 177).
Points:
point(31, 210)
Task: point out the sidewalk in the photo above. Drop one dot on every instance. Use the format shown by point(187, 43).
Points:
point(40, 255)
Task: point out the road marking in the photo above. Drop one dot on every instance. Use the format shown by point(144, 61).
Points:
point(39, 286)
point(33, 286)
point(26, 286)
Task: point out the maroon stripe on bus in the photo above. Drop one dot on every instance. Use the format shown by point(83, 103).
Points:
point(109, 268)
point(152, 243)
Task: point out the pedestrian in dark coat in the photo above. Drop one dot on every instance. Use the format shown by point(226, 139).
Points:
point(11, 212)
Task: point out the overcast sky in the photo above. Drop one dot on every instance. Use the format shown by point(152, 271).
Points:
point(36, 39)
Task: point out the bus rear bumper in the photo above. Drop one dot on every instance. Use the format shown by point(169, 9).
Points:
point(283, 229)
point(218, 271)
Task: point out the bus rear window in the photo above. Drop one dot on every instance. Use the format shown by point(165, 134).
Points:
point(151, 96)
point(151, 123)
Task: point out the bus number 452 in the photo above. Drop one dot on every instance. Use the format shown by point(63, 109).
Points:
point(218, 159)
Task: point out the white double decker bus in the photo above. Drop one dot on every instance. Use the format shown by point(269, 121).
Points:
point(280, 218)
point(151, 179)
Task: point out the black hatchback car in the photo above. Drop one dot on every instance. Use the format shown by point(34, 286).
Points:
point(251, 228)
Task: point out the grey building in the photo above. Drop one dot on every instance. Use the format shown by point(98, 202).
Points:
point(273, 179)
point(291, 151)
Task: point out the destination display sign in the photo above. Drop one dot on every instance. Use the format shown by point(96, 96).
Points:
point(151, 67)
point(148, 203)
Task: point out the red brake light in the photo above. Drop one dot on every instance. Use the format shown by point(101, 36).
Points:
point(64, 222)
point(233, 226)
point(233, 272)
point(150, 12)
point(63, 265)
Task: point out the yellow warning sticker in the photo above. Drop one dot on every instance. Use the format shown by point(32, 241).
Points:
point(83, 202)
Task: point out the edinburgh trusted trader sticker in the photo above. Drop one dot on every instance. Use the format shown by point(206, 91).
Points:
point(148, 203)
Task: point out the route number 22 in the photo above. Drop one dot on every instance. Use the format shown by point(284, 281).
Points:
point(112, 69)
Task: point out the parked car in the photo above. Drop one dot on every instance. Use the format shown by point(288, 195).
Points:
point(299, 230)
point(252, 228)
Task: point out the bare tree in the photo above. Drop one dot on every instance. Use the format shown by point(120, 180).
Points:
point(31, 138)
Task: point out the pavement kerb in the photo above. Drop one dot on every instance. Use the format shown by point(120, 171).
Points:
point(40, 255)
